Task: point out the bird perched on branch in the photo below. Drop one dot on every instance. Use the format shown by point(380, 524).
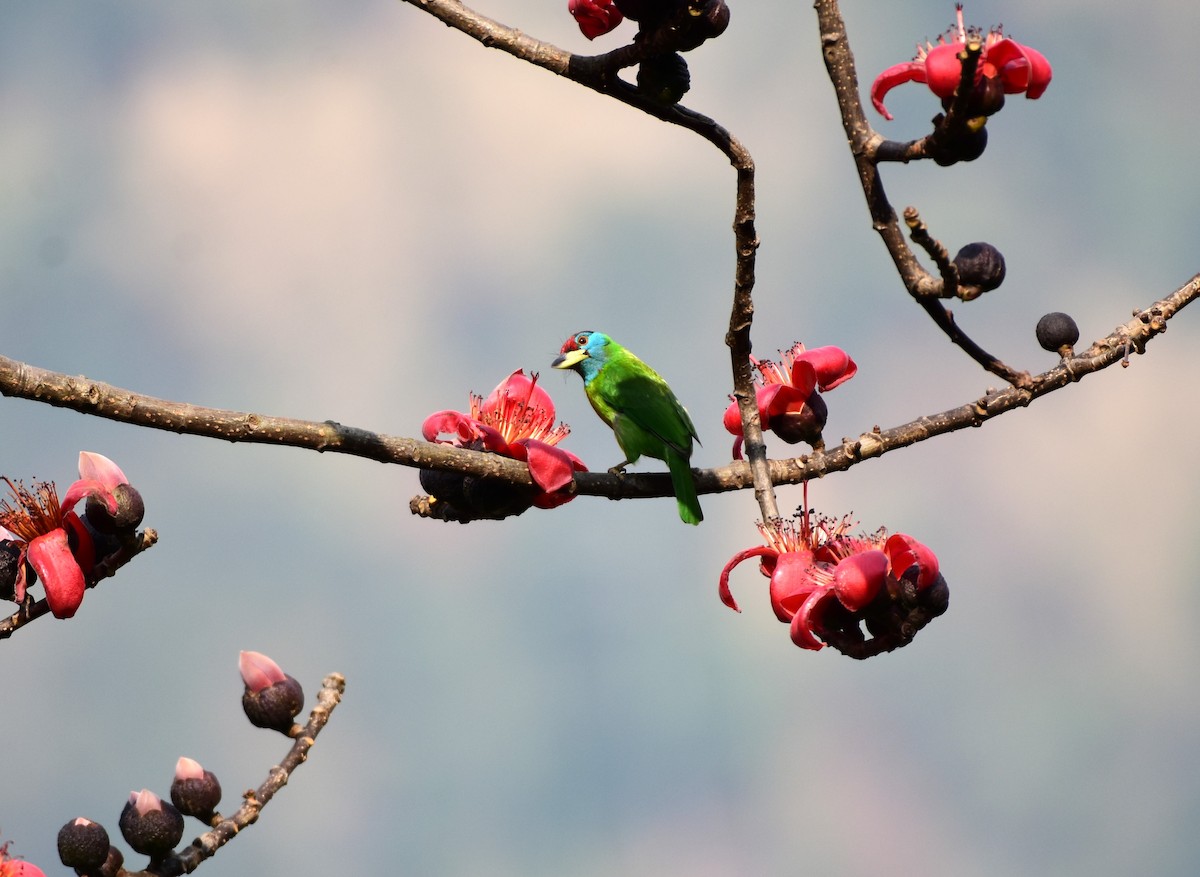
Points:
point(644, 414)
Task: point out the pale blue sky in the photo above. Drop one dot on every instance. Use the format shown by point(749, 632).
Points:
point(348, 211)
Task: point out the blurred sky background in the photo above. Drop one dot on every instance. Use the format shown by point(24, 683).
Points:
point(345, 210)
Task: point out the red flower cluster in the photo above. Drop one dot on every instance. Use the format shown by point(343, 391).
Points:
point(41, 536)
point(1006, 67)
point(788, 395)
point(517, 421)
point(824, 582)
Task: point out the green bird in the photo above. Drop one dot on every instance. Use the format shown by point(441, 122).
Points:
point(644, 414)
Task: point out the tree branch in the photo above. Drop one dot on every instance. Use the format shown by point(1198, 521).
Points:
point(91, 397)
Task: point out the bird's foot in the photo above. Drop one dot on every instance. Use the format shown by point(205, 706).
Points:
point(619, 469)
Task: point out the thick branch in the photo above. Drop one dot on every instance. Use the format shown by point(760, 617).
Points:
point(90, 397)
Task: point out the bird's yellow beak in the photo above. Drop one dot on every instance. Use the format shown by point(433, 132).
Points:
point(570, 359)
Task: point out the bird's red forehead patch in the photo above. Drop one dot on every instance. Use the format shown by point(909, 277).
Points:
point(570, 344)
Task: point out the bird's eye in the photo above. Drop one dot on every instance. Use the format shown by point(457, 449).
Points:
point(581, 338)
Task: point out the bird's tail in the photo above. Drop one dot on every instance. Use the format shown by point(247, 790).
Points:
point(684, 486)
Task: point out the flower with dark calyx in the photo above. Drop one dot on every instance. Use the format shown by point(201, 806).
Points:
point(195, 791)
point(980, 269)
point(53, 542)
point(83, 845)
point(788, 395)
point(272, 698)
point(1005, 67)
point(595, 17)
point(517, 421)
point(824, 583)
point(152, 826)
point(10, 867)
point(1057, 332)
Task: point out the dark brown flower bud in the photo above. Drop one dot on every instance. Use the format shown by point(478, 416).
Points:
point(1057, 332)
point(980, 268)
point(150, 825)
point(195, 791)
point(272, 698)
point(83, 844)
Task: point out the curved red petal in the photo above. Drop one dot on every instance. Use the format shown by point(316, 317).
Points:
point(550, 467)
point(858, 578)
point(81, 488)
point(494, 441)
point(1040, 73)
point(804, 374)
point(792, 580)
point(455, 423)
point(732, 419)
point(806, 619)
point(943, 69)
point(776, 399)
point(50, 556)
point(898, 74)
point(903, 551)
point(833, 366)
point(723, 590)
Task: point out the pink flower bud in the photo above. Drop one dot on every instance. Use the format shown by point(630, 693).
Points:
point(258, 671)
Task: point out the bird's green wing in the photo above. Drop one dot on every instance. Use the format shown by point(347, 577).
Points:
point(638, 400)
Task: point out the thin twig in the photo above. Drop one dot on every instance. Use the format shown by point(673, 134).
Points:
point(206, 845)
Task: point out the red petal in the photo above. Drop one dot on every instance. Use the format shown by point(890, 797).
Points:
point(50, 555)
point(1040, 73)
point(1021, 69)
point(82, 488)
point(903, 551)
point(733, 419)
point(595, 17)
point(723, 590)
point(806, 618)
point(791, 583)
point(943, 69)
point(804, 374)
point(909, 71)
point(551, 468)
point(858, 578)
point(464, 429)
point(833, 366)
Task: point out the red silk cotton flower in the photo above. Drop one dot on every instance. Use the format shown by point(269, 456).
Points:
point(825, 582)
point(517, 421)
point(1005, 67)
point(41, 530)
point(595, 17)
point(788, 395)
